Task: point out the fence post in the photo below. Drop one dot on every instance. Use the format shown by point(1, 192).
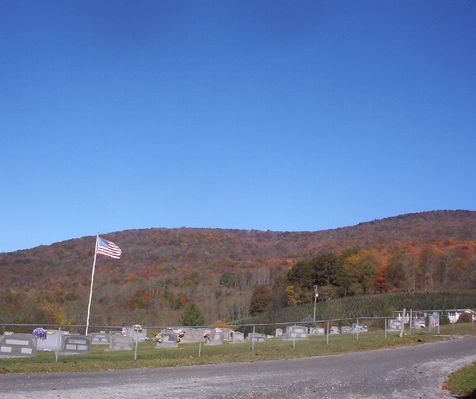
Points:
point(253, 339)
point(402, 327)
point(385, 320)
point(357, 327)
point(135, 350)
point(327, 335)
point(200, 349)
point(58, 344)
point(411, 320)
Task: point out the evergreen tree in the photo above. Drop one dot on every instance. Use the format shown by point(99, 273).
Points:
point(192, 316)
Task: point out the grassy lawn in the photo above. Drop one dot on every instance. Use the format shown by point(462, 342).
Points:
point(463, 382)
point(100, 358)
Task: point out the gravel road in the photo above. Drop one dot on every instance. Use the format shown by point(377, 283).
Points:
point(408, 372)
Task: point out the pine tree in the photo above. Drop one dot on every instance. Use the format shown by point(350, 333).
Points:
point(192, 316)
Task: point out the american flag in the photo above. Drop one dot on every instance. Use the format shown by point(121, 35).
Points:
point(108, 248)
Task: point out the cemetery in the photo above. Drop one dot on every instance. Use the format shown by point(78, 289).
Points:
point(40, 349)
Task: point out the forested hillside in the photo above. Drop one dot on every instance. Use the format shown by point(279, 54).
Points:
point(163, 270)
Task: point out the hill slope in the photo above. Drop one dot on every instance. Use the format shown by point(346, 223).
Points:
point(164, 269)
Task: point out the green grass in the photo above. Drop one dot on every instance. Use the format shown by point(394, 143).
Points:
point(463, 382)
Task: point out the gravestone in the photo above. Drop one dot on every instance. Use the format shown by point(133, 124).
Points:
point(296, 332)
point(279, 332)
point(100, 338)
point(238, 337)
point(17, 345)
point(334, 330)
point(168, 339)
point(121, 343)
point(227, 333)
point(193, 334)
point(256, 337)
point(138, 336)
point(52, 341)
point(75, 344)
point(317, 331)
point(394, 325)
point(216, 338)
point(434, 320)
point(136, 332)
point(453, 316)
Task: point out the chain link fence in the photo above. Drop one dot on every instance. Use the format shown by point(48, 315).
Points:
point(146, 341)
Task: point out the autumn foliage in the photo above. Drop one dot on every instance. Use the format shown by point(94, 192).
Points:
point(163, 271)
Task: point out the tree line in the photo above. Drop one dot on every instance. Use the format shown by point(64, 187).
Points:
point(363, 271)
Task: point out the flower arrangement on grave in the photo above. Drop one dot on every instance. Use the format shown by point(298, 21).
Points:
point(207, 335)
point(40, 333)
point(179, 332)
point(157, 338)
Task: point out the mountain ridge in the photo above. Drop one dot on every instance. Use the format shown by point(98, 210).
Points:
point(402, 217)
point(164, 269)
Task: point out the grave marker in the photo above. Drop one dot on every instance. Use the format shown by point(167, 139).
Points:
point(238, 337)
point(296, 332)
point(75, 344)
point(256, 337)
point(17, 345)
point(216, 338)
point(317, 331)
point(52, 342)
point(100, 338)
point(167, 339)
point(121, 343)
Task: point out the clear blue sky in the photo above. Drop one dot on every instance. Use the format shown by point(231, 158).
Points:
point(280, 115)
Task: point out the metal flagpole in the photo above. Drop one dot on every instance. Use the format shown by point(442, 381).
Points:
point(92, 282)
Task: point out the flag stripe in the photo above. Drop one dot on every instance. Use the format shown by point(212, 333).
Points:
point(108, 248)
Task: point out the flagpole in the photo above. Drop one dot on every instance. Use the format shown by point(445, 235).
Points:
point(92, 282)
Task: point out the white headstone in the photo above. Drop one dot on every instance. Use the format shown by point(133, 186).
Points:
point(296, 332)
point(317, 331)
point(52, 341)
point(256, 337)
point(121, 343)
point(216, 338)
point(238, 337)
